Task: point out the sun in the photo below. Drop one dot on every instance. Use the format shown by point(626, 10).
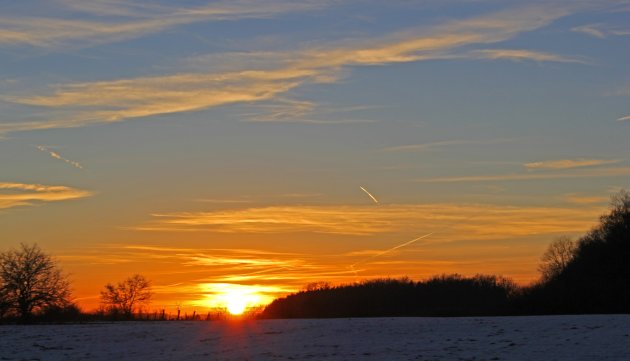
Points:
point(236, 303)
point(234, 298)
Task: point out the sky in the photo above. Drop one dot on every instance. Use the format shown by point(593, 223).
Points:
point(249, 148)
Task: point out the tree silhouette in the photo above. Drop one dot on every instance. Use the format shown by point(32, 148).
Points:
point(596, 278)
point(31, 281)
point(556, 258)
point(126, 296)
point(446, 295)
point(4, 302)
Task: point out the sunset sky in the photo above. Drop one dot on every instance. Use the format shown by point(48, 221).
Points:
point(234, 147)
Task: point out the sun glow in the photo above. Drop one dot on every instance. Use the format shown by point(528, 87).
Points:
point(236, 304)
point(236, 298)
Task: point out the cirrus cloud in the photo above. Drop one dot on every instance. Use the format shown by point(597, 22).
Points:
point(24, 194)
point(121, 20)
point(466, 221)
point(521, 54)
point(569, 163)
point(117, 100)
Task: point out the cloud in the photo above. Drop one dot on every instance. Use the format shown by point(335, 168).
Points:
point(283, 110)
point(58, 156)
point(444, 143)
point(585, 199)
point(139, 19)
point(624, 119)
point(223, 201)
point(22, 194)
point(569, 163)
point(587, 173)
point(520, 55)
point(446, 221)
point(114, 101)
point(118, 100)
point(272, 273)
point(600, 31)
point(592, 30)
point(301, 195)
point(116, 7)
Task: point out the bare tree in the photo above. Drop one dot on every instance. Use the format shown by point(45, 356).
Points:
point(31, 281)
point(557, 256)
point(4, 300)
point(126, 296)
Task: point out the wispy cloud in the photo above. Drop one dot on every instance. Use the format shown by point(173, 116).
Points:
point(133, 98)
point(624, 119)
point(601, 31)
point(585, 173)
point(209, 270)
point(23, 194)
point(301, 195)
point(467, 221)
point(122, 8)
point(224, 201)
point(58, 156)
point(444, 144)
point(137, 20)
point(591, 29)
point(569, 163)
point(112, 101)
point(521, 55)
point(585, 199)
point(283, 110)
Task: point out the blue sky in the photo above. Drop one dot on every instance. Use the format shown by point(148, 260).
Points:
point(131, 128)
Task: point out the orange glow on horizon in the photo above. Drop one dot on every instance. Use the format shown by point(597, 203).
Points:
point(236, 298)
point(337, 244)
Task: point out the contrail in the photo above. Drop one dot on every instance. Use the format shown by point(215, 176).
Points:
point(58, 156)
point(391, 249)
point(369, 194)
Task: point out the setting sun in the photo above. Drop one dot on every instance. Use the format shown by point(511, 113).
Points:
point(236, 304)
point(236, 298)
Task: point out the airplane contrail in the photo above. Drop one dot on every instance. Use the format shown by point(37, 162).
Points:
point(370, 194)
point(391, 249)
point(58, 156)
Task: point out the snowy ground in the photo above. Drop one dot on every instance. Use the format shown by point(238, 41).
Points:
point(479, 338)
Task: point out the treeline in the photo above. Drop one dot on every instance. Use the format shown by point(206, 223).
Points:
point(590, 275)
point(448, 295)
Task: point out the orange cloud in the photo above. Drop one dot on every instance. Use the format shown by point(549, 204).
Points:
point(586, 173)
point(521, 54)
point(22, 194)
point(569, 163)
point(584, 199)
point(447, 221)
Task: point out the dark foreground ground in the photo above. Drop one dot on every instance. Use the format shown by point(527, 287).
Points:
point(595, 337)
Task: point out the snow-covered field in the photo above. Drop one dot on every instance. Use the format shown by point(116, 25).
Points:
point(600, 337)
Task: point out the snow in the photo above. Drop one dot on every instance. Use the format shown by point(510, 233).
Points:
point(593, 337)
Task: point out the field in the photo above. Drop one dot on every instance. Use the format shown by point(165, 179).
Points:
point(598, 337)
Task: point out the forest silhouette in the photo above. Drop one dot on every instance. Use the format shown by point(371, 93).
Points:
point(589, 275)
